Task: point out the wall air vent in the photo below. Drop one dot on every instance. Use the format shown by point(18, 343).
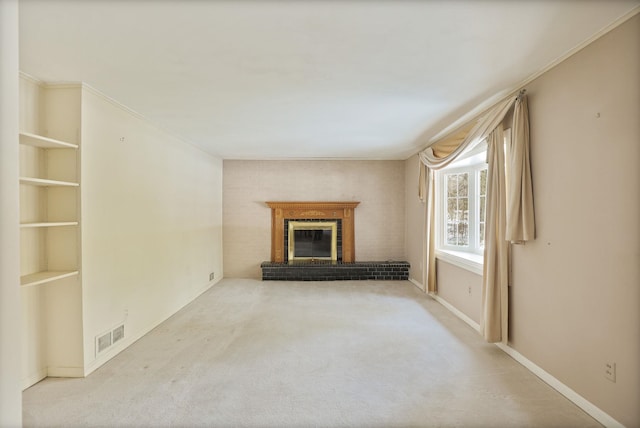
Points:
point(103, 342)
point(118, 333)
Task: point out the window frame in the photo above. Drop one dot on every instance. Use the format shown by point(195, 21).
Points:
point(470, 257)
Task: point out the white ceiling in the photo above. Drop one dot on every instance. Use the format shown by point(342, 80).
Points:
point(304, 79)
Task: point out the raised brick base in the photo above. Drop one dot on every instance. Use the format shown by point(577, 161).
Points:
point(329, 271)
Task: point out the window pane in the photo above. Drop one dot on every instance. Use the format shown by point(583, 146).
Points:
point(482, 206)
point(463, 184)
point(482, 235)
point(452, 185)
point(483, 182)
point(452, 206)
point(458, 209)
point(463, 234)
point(463, 206)
point(451, 234)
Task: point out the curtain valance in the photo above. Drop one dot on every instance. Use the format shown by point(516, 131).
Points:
point(443, 152)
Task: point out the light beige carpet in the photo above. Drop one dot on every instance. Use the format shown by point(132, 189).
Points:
point(303, 354)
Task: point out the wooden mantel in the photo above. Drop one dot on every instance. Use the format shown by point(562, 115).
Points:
point(312, 210)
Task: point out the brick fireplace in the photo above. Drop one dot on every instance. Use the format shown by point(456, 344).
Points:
point(343, 267)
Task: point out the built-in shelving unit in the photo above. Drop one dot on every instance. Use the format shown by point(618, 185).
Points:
point(50, 145)
point(49, 194)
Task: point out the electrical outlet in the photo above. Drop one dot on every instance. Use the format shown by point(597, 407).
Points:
point(610, 371)
point(469, 290)
point(212, 275)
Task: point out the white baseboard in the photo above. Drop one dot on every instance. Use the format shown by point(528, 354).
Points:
point(474, 325)
point(563, 389)
point(65, 372)
point(34, 378)
point(590, 408)
point(417, 284)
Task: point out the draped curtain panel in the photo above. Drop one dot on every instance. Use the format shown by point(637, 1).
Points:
point(520, 218)
point(495, 271)
point(426, 193)
point(512, 213)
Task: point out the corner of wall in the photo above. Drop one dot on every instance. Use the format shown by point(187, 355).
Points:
point(10, 307)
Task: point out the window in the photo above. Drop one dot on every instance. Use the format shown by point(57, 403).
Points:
point(461, 191)
point(463, 208)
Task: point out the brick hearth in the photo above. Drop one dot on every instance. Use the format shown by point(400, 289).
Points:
point(328, 271)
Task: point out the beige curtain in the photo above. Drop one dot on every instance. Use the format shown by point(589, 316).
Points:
point(422, 181)
point(520, 219)
point(438, 156)
point(426, 193)
point(442, 153)
point(430, 273)
point(495, 270)
point(514, 224)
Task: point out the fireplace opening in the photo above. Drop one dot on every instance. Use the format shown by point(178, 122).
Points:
point(312, 240)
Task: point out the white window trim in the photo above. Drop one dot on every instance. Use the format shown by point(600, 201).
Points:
point(468, 260)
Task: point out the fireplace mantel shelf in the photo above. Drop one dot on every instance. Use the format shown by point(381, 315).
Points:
point(313, 205)
point(312, 210)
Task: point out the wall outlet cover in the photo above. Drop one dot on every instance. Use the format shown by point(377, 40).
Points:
point(610, 371)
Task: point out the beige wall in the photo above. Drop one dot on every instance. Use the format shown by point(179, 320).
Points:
point(575, 293)
point(379, 219)
point(460, 288)
point(576, 289)
point(10, 329)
